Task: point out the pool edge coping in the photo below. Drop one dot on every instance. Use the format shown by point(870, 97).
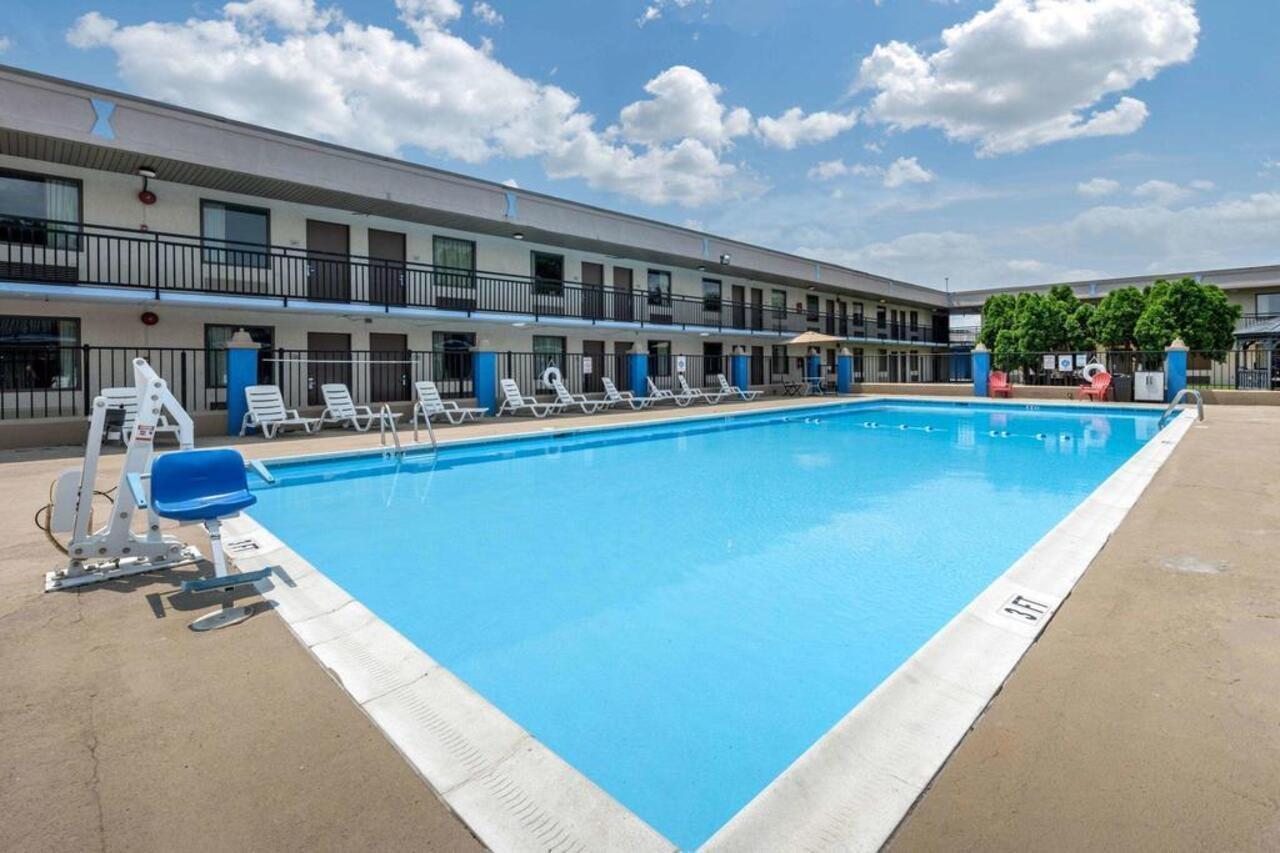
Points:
point(515, 792)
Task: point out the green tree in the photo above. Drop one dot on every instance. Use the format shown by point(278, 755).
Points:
point(1007, 354)
point(1080, 328)
point(1041, 323)
point(1199, 314)
point(1113, 321)
point(997, 316)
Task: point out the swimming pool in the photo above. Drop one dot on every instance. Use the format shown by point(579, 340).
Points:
point(680, 611)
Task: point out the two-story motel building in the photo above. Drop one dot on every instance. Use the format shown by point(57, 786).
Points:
point(130, 227)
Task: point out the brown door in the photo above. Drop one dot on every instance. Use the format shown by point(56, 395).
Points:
point(757, 366)
point(388, 367)
point(622, 365)
point(328, 261)
point(592, 290)
point(386, 267)
point(757, 308)
point(623, 292)
point(739, 297)
point(328, 360)
point(712, 356)
point(593, 351)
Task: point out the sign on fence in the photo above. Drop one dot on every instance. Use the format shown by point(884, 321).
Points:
point(681, 364)
point(1048, 360)
point(1066, 363)
point(586, 365)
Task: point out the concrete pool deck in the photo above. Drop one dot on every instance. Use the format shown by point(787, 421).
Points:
point(1146, 716)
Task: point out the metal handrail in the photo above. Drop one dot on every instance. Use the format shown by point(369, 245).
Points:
point(384, 418)
point(431, 431)
point(1177, 400)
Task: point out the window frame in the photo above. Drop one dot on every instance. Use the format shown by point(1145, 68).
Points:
point(78, 380)
point(543, 286)
point(812, 308)
point(660, 364)
point(72, 244)
point(657, 298)
point(713, 302)
point(442, 357)
point(234, 257)
point(778, 303)
point(1257, 308)
point(454, 276)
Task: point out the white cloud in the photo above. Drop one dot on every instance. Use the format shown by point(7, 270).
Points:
point(486, 13)
point(794, 128)
point(292, 65)
point(1168, 193)
point(654, 10)
point(5, 43)
point(511, 182)
point(907, 170)
point(685, 104)
point(1032, 72)
point(1097, 187)
point(828, 169)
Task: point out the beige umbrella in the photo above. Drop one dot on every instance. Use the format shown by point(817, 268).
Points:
point(813, 339)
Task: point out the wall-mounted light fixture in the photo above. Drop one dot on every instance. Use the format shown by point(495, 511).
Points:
point(725, 258)
point(519, 235)
point(146, 196)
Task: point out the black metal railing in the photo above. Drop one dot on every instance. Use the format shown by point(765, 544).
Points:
point(1252, 369)
point(53, 381)
point(56, 252)
point(372, 376)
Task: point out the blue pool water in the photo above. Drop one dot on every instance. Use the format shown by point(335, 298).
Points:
point(680, 611)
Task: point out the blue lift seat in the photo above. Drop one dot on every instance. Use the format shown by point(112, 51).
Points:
point(200, 485)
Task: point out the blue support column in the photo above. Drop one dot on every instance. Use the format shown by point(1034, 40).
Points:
point(740, 372)
point(844, 372)
point(1175, 369)
point(638, 367)
point(813, 370)
point(242, 371)
point(484, 371)
point(981, 371)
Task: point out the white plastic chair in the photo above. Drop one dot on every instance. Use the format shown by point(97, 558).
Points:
point(734, 391)
point(430, 404)
point(126, 399)
point(339, 408)
point(663, 395)
point(267, 412)
point(568, 400)
point(708, 397)
point(514, 402)
point(614, 397)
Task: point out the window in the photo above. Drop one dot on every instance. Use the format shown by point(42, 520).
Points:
point(880, 316)
point(39, 352)
point(711, 290)
point(455, 261)
point(659, 287)
point(451, 355)
point(915, 320)
point(548, 350)
point(660, 358)
point(1268, 303)
point(857, 314)
point(779, 357)
point(811, 308)
point(548, 274)
point(235, 235)
point(778, 300)
point(29, 202)
point(215, 353)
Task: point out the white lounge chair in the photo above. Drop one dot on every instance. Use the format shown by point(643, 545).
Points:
point(614, 397)
point(514, 402)
point(582, 401)
point(340, 409)
point(708, 397)
point(267, 412)
point(663, 395)
point(430, 404)
point(127, 400)
point(734, 391)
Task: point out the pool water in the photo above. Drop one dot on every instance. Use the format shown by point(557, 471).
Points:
point(679, 611)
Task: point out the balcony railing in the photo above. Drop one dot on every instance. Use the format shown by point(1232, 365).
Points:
point(48, 251)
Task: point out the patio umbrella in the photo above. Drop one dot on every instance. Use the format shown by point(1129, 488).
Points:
point(813, 339)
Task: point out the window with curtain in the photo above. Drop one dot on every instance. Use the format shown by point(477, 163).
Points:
point(659, 287)
point(1268, 303)
point(216, 336)
point(660, 358)
point(39, 210)
point(778, 301)
point(39, 352)
point(451, 355)
point(548, 274)
point(455, 261)
point(811, 308)
point(234, 234)
point(711, 294)
point(548, 350)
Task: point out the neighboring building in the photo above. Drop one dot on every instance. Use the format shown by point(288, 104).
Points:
point(325, 254)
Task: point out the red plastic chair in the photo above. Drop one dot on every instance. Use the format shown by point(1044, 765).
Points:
point(1096, 391)
point(998, 384)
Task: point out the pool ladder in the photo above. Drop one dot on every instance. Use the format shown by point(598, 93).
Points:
point(385, 418)
point(1177, 400)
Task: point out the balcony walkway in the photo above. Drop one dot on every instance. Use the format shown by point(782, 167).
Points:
point(1147, 717)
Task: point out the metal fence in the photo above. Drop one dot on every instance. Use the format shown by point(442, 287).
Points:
point(56, 252)
point(372, 376)
point(1252, 369)
point(52, 381)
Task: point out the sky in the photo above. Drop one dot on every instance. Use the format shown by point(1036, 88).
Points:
point(960, 143)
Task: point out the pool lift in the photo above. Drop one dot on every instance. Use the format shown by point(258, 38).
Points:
point(187, 485)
